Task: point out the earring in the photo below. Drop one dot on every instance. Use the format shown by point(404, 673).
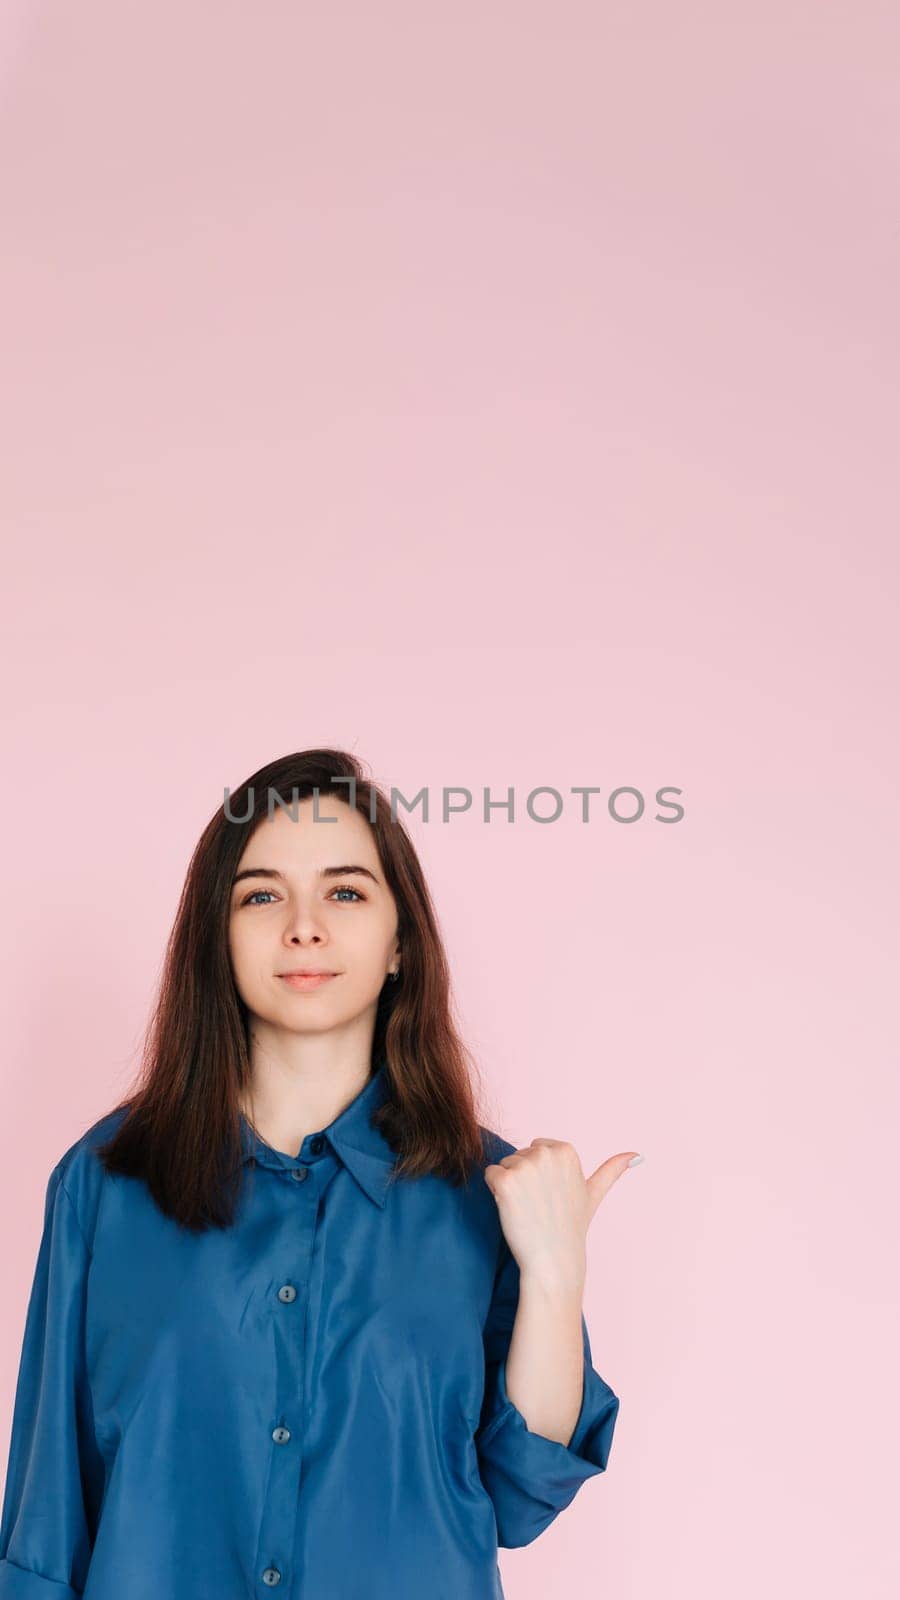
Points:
point(394, 976)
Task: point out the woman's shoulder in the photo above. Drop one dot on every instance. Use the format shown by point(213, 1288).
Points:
point(83, 1150)
point(494, 1145)
point(80, 1172)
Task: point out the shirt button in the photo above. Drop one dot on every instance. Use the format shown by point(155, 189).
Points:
point(281, 1435)
point(287, 1292)
point(318, 1144)
point(299, 1173)
point(271, 1576)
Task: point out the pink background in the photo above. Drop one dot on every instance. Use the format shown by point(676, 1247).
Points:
point(507, 393)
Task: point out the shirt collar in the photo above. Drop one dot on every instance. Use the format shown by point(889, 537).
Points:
point(363, 1149)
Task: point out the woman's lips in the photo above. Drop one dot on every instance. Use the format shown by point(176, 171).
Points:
point(297, 980)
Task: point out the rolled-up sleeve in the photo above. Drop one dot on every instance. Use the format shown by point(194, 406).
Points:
point(52, 1481)
point(530, 1478)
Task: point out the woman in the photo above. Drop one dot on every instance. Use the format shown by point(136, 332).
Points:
point(270, 1337)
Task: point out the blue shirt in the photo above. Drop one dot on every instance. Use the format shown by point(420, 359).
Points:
point(311, 1401)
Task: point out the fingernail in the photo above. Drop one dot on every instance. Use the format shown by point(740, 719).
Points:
point(634, 1161)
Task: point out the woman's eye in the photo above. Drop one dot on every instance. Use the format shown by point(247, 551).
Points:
point(343, 888)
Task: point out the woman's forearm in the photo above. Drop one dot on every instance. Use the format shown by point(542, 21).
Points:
point(545, 1362)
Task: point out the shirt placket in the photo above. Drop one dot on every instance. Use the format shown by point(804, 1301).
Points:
point(307, 1177)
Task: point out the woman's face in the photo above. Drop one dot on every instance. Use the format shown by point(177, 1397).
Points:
point(299, 912)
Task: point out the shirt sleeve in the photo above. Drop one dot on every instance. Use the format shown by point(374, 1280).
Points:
point(46, 1530)
point(530, 1478)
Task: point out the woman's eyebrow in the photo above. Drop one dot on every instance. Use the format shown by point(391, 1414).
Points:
point(324, 872)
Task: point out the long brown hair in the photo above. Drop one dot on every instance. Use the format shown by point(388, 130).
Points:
point(181, 1129)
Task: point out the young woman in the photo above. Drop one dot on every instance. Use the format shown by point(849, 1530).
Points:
point(299, 1321)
